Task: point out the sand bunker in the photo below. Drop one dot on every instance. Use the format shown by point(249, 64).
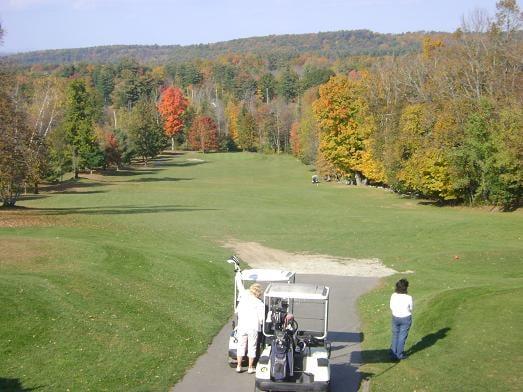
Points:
point(259, 256)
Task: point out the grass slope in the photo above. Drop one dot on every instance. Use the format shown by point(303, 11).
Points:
point(118, 282)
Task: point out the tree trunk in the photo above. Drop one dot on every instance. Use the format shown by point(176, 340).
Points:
point(36, 190)
point(172, 143)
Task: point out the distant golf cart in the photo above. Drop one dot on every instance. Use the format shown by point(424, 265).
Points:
point(248, 277)
point(296, 356)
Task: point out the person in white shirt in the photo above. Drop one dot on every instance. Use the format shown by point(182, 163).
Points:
point(401, 308)
point(251, 312)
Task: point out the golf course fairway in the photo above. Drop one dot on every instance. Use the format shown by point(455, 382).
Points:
point(118, 281)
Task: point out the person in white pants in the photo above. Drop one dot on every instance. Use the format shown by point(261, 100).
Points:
point(250, 311)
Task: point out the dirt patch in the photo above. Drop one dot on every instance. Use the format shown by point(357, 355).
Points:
point(22, 218)
point(259, 256)
point(16, 251)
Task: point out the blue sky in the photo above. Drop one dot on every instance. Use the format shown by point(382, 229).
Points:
point(53, 24)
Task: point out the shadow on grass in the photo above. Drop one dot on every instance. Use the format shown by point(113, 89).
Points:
point(78, 192)
point(383, 355)
point(127, 172)
point(159, 179)
point(66, 185)
point(32, 197)
point(172, 153)
point(118, 210)
point(428, 340)
point(14, 385)
point(181, 164)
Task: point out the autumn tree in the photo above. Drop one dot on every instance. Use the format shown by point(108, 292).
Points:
point(295, 139)
point(203, 134)
point(15, 151)
point(307, 129)
point(232, 111)
point(246, 130)
point(346, 128)
point(116, 147)
point(172, 106)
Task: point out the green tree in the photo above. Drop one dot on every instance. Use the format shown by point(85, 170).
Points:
point(145, 131)
point(78, 126)
point(314, 76)
point(103, 80)
point(288, 84)
point(267, 87)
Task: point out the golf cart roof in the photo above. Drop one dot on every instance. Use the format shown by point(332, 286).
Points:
point(266, 275)
point(298, 291)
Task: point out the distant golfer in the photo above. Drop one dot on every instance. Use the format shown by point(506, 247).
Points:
point(315, 180)
point(401, 307)
point(251, 312)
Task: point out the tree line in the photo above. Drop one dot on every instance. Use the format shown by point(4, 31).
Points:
point(333, 45)
point(444, 123)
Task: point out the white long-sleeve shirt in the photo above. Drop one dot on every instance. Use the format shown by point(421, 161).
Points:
point(250, 309)
point(401, 305)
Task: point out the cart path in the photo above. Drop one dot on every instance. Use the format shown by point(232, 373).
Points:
point(212, 373)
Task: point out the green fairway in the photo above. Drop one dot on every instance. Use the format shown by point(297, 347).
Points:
point(118, 282)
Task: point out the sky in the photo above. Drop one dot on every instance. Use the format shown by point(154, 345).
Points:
point(56, 24)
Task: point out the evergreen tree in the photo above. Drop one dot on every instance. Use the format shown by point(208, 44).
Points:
point(78, 126)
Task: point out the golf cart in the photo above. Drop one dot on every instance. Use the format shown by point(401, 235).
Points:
point(297, 358)
point(245, 278)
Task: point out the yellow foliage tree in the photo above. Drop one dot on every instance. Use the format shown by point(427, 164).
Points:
point(232, 110)
point(427, 172)
point(346, 128)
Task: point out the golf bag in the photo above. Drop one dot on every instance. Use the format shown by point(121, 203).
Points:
point(282, 356)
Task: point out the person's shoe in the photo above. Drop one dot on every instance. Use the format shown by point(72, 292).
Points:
point(403, 357)
point(251, 370)
point(238, 369)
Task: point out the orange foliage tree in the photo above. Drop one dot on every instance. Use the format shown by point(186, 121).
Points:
point(203, 135)
point(295, 139)
point(172, 105)
point(347, 127)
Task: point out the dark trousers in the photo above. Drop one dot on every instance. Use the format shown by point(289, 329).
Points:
point(400, 331)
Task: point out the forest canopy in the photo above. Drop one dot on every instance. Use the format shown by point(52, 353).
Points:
point(430, 115)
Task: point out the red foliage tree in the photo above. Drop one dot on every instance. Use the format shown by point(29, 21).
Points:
point(172, 105)
point(111, 150)
point(203, 135)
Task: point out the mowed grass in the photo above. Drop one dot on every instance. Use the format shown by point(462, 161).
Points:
point(118, 282)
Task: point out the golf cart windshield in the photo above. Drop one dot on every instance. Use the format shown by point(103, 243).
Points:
point(307, 303)
point(249, 276)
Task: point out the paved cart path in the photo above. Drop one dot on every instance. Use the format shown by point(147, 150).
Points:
point(212, 373)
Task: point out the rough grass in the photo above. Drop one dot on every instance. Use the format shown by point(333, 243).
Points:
point(117, 281)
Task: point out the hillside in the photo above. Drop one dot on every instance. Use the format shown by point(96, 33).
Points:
point(329, 44)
